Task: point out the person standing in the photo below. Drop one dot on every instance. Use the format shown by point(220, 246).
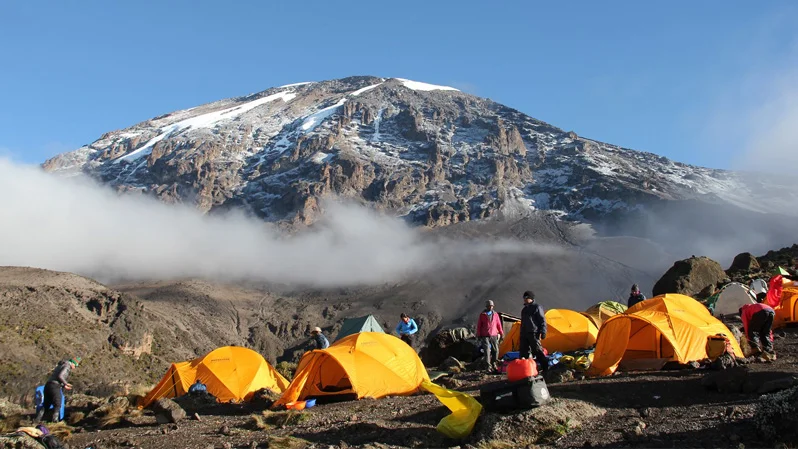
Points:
point(53, 393)
point(406, 328)
point(635, 296)
point(489, 331)
point(758, 324)
point(319, 339)
point(533, 330)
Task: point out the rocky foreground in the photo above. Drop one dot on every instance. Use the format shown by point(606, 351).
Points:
point(749, 406)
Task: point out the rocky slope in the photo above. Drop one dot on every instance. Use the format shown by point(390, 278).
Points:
point(429, 153)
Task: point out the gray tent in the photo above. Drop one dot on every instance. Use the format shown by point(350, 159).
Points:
point(355, 325)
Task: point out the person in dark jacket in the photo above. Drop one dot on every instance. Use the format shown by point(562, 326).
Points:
point(53, 393)
point(533, 330)
point(319, 339)
point(635, 296)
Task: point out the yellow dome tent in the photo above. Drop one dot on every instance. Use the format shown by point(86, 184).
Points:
point(231, 373)
point(366, 364)
point(603, 311)
point(567, 331)
point(665, 328)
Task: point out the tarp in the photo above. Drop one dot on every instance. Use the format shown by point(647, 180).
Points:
point(729, 299)
point(787, 310)
point(567, 331)
point(465, 411)
point(669, 327)
point(367, 364)
point(604, 310)
point(231, 373)
point(774, 290)
point(361, 324)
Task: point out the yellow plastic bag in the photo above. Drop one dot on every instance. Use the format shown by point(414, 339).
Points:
point(465, 411)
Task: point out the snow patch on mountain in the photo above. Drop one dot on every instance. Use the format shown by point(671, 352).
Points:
point(203, 121)
point(417, 85)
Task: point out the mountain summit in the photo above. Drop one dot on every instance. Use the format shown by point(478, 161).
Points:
point(431, 154)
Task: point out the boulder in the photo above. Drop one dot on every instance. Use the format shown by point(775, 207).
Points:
point(776, 417)
point(458, 343)
point(690, 276)
point(167, 411)
point(199, 401)
point(744, 262)
point(731, 380)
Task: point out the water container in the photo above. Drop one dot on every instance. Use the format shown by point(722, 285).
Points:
point(521, 369)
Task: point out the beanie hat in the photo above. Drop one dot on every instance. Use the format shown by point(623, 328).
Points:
point(529, 294)
point(75, 361)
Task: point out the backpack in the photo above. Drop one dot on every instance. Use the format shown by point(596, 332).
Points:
point(717, 345)
point(51, 442)
point(38, 397)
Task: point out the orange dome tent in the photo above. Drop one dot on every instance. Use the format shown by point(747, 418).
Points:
point(665, 328)
point(366, 364)
point(231, 373)
point(787, 310)
point(567, 331)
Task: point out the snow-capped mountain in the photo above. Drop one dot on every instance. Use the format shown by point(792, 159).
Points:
point(430, 153)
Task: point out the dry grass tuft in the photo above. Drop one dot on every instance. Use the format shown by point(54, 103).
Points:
point(286, 369)
point(61, 430)
point(10, 423)
point(269, 419)
point(287, 443)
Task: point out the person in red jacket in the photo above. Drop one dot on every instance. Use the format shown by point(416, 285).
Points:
point(489, 331)
point(758, 323)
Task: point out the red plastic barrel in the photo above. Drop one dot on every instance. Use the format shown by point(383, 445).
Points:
point(521, 369)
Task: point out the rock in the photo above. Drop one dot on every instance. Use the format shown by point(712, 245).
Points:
point(776, 385)
point(558, 374)
point(734, 438)
point(451, 383)
point(732, 411)
point(457, 343)
point(167, 411)
point(227, 445)
point(776, 416)
point(727, 381)
point(707, 291)
point(744, 262)
point(690, 276)
point(645, 413)
point(224, 430)
point(450, 363)
point(197, 416)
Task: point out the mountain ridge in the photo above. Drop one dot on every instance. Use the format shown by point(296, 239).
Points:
point(431, 154)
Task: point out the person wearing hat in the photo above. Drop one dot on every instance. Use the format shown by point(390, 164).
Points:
point(319, 338)
point(489, 331)
point(533, 331)
point(635, 296)
point(53, 389)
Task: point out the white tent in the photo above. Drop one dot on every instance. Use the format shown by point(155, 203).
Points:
point(731, 297)
point(759, 286)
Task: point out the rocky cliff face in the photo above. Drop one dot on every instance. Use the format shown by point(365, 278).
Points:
point(429, 153)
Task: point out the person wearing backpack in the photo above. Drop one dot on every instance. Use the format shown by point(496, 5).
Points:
point(53, 393)
point(758, 324)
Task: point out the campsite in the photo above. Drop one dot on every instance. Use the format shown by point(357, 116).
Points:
point(619, 377)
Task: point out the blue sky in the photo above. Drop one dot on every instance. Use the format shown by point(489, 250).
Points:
point(690, 80)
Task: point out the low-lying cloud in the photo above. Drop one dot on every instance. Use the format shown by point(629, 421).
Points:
point(72, 224)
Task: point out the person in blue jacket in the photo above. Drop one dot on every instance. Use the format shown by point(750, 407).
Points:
point(197, 387)
point(406, 328)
